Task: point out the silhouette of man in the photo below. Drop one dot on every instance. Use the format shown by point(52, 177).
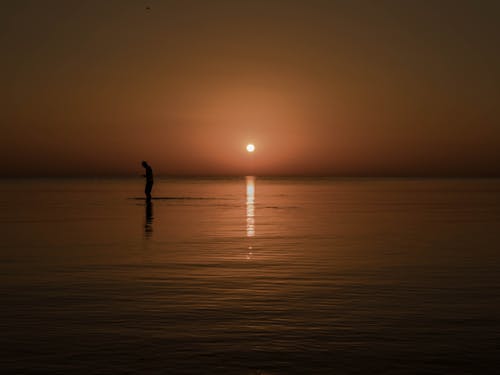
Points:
point(149, 180)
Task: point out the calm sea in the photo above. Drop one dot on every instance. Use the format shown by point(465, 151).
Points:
point(250, 276)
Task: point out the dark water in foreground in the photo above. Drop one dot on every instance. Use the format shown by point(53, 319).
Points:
point(250, 277)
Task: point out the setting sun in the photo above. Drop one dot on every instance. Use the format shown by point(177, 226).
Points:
point(250, 147)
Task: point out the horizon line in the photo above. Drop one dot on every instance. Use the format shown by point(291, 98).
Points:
point(226, 176)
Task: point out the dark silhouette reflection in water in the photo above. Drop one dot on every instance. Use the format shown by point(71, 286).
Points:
point(148, 223)
point(250, 212)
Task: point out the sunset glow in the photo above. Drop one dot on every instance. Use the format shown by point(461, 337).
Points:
point(250, 187)
point(333, 88)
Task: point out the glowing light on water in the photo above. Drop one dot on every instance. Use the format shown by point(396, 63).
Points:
point(250, 206)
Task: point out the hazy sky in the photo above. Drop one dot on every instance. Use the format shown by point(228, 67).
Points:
point(320, 87)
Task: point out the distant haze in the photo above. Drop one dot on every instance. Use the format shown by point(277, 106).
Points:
point(320, 87)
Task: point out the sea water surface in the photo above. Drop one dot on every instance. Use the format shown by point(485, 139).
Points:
point(250, 276)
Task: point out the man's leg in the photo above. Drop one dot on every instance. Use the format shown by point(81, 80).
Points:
point(147, 191)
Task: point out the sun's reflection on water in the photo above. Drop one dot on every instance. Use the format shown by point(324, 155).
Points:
point(250, 206)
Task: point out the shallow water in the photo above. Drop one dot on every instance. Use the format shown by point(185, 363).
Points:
point(250, 276)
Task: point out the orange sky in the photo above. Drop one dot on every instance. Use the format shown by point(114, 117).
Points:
point(320, 87)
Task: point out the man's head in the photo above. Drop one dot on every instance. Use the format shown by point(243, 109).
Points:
point(144, 164)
